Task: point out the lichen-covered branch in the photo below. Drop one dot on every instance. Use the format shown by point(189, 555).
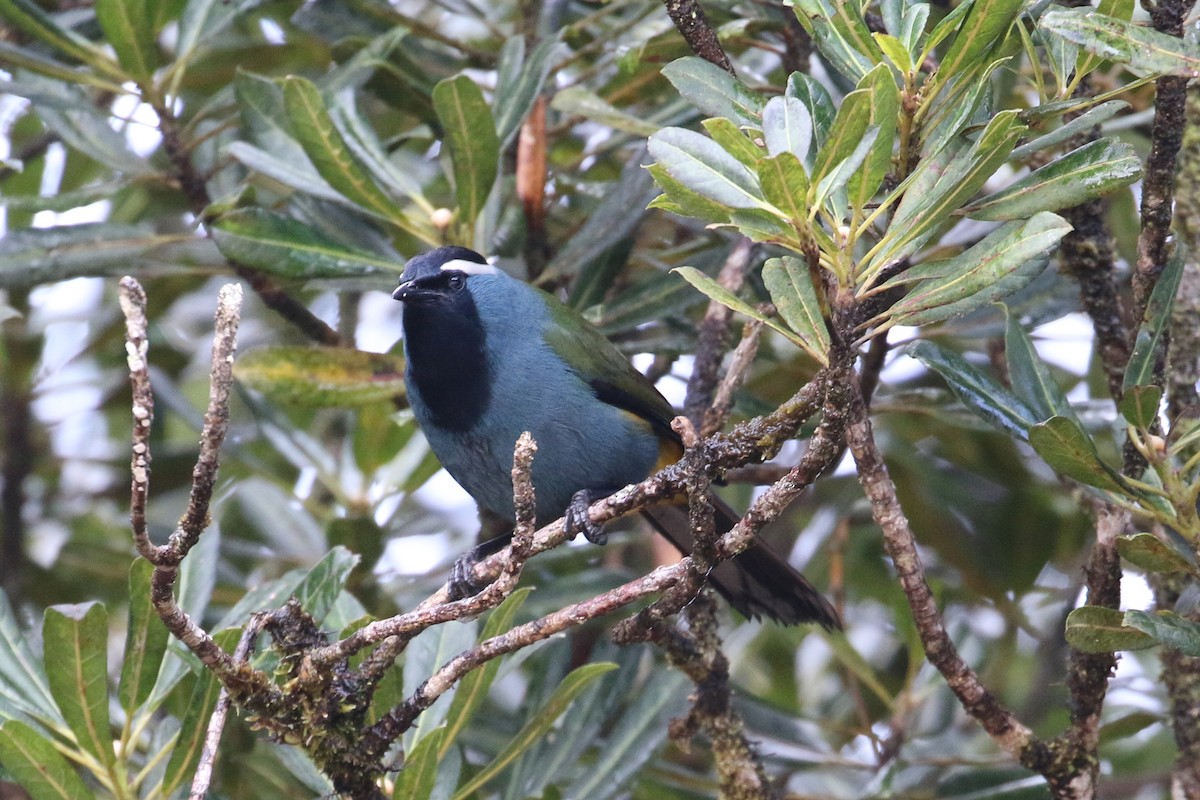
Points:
point(692, 23)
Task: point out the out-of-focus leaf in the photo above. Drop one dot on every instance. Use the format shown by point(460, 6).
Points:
point(321, 377)
point(1030, 379)
point(473, 688)
point(43, 255)
point(1085, 121)
point(362, 142)
point(27, 16)
point(76, 642)
point(1143, 49)
point(128, 26)
point(1095, 629)
point(792, 292)
point(471, 140)
point(1168, 629)
point(787, 127)
point(703, 166)
point(428, 652)
point(714, 91)
point(841, 34)
point(12, 55)
point(417, 777)
point(200, 22)
point(22, 677)
point(1139, 405)
point(88, 131)
point(537, 725)
point(145, 641)
point(1003, 262)
point(1153, 554)
point(515, 98)
point(979, 392)
point(581, 101)
point(38, 767)
point(716, 291)
point(1127, 725)
point(1084, 174)
point(1064, 445)
point(1140, 370)
point(283, 246)
point(294, 173)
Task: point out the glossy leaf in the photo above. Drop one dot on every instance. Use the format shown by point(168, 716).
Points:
point(714, 91)
point(734, 141)
point(537, 725)
point(22, 676)
point(1064, 445)
point(982, 394)
point(679, 199)
point(1142, 48)
point(845, 135)
point(715, 291)
point(1086, 173)
point(288, 248)
point(128, 26)
point(980, 35)
point(1146, 349)
point(321, 377)
point(471, 141)
point(884, 106)
point(1084, 122)
point(1095, 629)
point(1139, 405)
point(76, 644)
point(1030, 378)
point(821, 110)
point(1119, 9)
point(1152, 554)
point(895, 51)
point(841, 35)
point(1168, 629)
point(785, 186)
point(145, 641)
point(787, 127)
point(36, 764)
point(703, 166)
point(325, 581)
point(787, 279)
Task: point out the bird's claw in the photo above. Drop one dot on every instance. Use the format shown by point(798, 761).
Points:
point(462, 583)
point(578, 521)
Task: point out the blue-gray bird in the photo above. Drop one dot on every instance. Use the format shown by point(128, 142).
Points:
point(489, 357)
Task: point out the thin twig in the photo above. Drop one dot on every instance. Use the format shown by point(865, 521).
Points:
point(716, 415)
point(133, 304)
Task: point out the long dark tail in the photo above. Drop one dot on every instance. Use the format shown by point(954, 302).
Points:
point(759, 582)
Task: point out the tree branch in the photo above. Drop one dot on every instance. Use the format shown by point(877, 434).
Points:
point(692, 23)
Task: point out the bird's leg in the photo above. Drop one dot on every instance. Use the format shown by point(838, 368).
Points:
point(462, 581)
point(576, 519)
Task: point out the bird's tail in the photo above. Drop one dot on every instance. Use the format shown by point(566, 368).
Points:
point(758, 582)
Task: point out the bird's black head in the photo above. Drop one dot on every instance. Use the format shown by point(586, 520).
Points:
point(436, 276)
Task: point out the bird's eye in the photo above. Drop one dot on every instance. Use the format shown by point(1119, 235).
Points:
point(456, 281)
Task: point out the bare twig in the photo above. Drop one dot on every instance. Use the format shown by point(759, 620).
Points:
point(717, 414)
point(692, 23)
point(133, 305)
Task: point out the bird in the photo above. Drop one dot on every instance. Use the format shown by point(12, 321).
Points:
point(489, 356)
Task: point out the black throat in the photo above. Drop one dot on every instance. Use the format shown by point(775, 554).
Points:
point(444, 344)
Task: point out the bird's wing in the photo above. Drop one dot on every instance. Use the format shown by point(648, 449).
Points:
point(602, 367)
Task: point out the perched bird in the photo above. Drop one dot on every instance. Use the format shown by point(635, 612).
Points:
point(489, 357)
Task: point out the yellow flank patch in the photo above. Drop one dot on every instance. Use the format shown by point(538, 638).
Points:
point(669, 450)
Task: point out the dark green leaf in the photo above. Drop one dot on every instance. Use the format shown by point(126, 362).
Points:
point(471, 141)
point(1139, 405)
point(1064, 445)
point(884, 108)
point(845, 135)
point(1146, 349)
point(1142, 48)
point(1030, 378)
point(1095, 629)
point(1084, 122)
point(325, 581)
point(979, 392)
point(980, 36)
point(1153, 554)
point(1168, 629)
point(37, 765)
point(792, 292)
point(145, 641)
point(286, 247)
point(714, 91)
point(321, 377)
point(417, 776)
point(821, 110)
point(703, 166)
point(22, 677)
point(514, 98)
point(841, 35)
point(1084, 174)
point(76, 643)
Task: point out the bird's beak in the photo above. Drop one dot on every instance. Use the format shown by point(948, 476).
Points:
point(402, 290)
point(411, 290)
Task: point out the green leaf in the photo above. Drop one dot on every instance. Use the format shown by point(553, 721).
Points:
point(884, 106)
point(679, 199)
point(325, 581)
point(731, 138)
point(841, 35)
point(128, 26)
point(76, 643)
point(1146, 349)
point(12, 55)
point(321, 377)
point(1152, 554)
point(22, 677)
point(313, 127)
point(470, 138)
point(145, 641)
point(419, 773)
point(1139, 405)
point(28, 17)
point(37, 766)
point(714, 91)
point(537, 725)
point(1095, 629)
point(1005, 260)
point(473, 688)
point(1168, 629)
point(785, 186)
point(288, 248)
point(199, 23)
point(1143, 49)
point(1030, 379)
point(1064, 445)
point(362, 141)
point(981, 34)
point(787, 127)
point(895, 51)
point(982, 394)
point(1084, 174)
point(1120, 9)
point(1127, 725)
point(1084, 122)
point(702, 166)
point(583, 102)
point(716, 291)
point(821, 110)
point(515, 97)
point(845, 135)
point(792, 291)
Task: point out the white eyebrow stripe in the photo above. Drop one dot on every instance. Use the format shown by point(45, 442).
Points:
point(469, 267)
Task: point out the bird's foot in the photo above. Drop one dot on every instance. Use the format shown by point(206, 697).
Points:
point(577, 521)
point(463, 583)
